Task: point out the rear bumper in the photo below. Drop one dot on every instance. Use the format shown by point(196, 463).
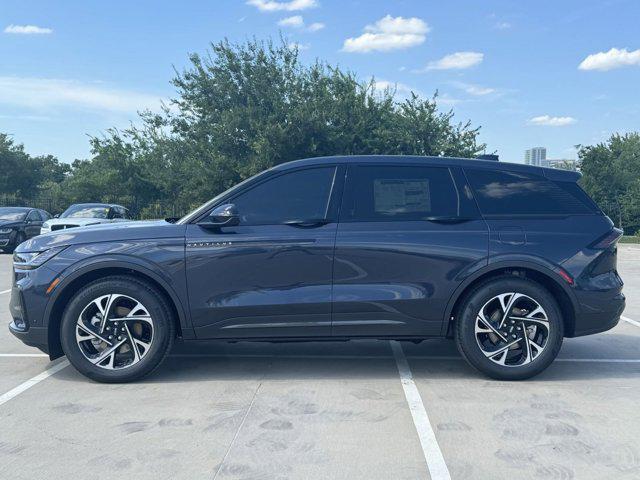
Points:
point(599, 314)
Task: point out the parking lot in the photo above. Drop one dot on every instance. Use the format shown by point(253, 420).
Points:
point(327, 411)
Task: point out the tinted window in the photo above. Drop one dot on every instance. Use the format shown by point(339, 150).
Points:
point(45, 215)
point(34, 216)
point(399, 193)
point(117, 212)
point(515, 193)
point(301, 195)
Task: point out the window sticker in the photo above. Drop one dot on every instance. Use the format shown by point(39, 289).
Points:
point(392, 196)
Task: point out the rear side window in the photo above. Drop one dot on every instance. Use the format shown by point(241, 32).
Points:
point(516, 193)
point(300, 195)
point(399, 193)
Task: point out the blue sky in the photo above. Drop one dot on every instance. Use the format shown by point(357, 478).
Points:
point(535, 73)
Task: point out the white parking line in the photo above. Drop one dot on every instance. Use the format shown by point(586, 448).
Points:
point(5, 291)
point(632, 322)
point(430, 448)
point(5, 397)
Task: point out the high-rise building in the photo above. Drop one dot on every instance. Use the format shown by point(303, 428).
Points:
point(536, 156)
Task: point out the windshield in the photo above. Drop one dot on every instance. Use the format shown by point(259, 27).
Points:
point(12, 214)
point(86, 211)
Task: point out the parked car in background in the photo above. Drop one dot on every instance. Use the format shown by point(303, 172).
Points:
point(83, 214)
point(506, 259)
point(18, 224)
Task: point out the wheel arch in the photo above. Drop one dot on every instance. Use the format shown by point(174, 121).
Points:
point(74, 282)
point(546, 277)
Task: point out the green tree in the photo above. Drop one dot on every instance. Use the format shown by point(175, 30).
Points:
point(243, 108)
point(611, 175)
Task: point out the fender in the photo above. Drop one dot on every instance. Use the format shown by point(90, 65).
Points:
point(127, 262)
point(510, 261)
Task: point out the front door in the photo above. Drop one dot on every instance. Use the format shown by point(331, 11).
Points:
point(33, 224)
point(270, 276)
point(407, 237)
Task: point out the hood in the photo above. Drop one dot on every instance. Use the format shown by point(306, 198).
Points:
point(10, 223)
point(106, 232)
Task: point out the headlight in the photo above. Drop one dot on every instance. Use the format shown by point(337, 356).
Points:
point(6, 230)
point(31, 260)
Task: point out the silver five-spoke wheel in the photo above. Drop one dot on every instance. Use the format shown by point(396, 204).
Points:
point(114, 331)
point(512, 329)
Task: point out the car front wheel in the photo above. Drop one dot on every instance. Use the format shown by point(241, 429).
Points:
point(117, 329)
point(509, 328)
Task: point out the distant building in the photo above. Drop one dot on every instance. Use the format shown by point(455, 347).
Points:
point(563, 164)
point(535, 156)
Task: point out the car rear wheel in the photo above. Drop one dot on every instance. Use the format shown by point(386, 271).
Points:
point(509, 328)
point(117, 329)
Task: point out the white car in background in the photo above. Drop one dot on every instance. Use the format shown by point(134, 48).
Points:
point(83, 214)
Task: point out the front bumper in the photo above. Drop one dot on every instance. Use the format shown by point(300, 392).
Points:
point(33, 337)
point(7, 239)
point(27, 305)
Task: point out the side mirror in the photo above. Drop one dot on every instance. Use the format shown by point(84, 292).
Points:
point(57, 215)
point(222, 216)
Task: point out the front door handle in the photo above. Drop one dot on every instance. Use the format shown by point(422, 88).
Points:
point(312, 223)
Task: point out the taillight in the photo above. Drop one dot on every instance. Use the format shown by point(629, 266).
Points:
point(607, 240)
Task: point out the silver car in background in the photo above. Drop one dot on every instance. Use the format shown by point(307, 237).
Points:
point(83, 214)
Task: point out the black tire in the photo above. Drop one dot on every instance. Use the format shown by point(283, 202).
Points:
point(469, 346)
point(158, 309)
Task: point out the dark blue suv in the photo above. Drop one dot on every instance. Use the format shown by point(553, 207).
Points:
point(506, 259)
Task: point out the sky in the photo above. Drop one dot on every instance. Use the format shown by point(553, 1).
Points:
point(535, 73)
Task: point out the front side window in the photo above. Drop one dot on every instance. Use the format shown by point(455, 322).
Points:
point(34, 216)
point(517, 193)
point(399, 193)
point(302, 195)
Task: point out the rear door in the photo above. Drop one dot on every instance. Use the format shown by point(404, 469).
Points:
point(407, 236)
point(536, 217)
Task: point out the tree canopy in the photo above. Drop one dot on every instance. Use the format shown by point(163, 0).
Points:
point(242, 108)
point(611, 175)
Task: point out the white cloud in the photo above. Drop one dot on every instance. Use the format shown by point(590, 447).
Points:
point(316, 26)
point(27, 30)
point(548, 121)
point(476, 90)
point(614, 58)
point(274, 6)
point(296, 22)
point(503, 25)
point(457, 61)
point(389, 33)
point(41, 94)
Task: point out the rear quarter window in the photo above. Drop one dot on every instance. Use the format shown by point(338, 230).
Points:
point(515, 193)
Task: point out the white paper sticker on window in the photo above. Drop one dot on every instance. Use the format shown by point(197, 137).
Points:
point(392, 196)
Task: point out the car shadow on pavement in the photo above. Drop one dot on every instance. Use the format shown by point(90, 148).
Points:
point(433, 360)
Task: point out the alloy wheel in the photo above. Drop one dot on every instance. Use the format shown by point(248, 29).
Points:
point(114, 331)
point(512, 329)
